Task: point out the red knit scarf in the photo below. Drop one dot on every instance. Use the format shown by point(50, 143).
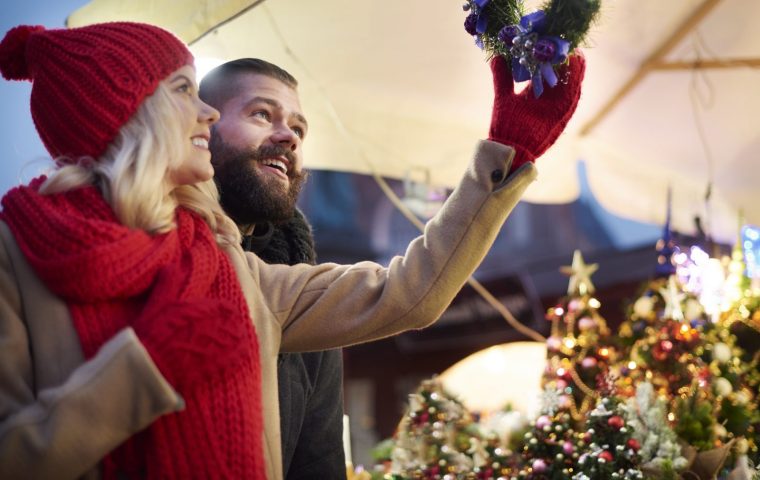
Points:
point(104, 271)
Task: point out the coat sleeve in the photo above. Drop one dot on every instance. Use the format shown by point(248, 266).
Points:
point(65, 430)
point(330, 305)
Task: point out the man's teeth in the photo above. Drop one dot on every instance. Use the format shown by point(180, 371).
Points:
point(200, 142)
point(278, 164)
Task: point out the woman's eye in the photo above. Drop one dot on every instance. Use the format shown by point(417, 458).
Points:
point(184, 88)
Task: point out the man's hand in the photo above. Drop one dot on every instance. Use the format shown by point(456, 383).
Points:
point(531, 125)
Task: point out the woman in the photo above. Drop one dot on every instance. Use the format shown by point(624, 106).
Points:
point(136, 338)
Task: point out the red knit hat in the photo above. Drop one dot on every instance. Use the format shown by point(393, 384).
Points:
point(89, 81)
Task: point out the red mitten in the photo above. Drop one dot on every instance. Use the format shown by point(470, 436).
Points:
point(189, 340)
point(531, 125)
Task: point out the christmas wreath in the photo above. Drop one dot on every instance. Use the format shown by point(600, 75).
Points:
point(533, 43)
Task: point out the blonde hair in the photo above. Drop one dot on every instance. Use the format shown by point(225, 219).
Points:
point(132, 174)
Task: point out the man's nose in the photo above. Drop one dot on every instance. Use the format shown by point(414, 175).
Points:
point(284, 135)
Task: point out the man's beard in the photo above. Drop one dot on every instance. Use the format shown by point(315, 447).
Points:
point(246, 195)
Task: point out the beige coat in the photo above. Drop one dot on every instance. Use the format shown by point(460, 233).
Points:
point(59, 415)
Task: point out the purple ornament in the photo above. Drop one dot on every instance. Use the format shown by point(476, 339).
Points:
point(471, 23)
point(589, 362)
point(544, 50)
point(508, 34)
point(586, 323)
point(539, 465)
point(568, 447)
point(543, 421)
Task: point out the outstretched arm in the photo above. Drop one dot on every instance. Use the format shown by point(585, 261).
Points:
point(330, 305)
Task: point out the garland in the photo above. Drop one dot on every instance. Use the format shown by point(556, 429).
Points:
point(535, 43)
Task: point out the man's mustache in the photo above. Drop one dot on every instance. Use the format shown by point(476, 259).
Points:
point(270, 151)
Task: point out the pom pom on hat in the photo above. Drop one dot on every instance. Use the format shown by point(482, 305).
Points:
point(87, 82)
point(13, 52)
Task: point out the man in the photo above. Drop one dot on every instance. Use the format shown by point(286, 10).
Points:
point(257, 156)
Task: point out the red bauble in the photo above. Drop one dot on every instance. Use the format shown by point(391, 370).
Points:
point(607, 456)
point(659, 354)
point(616, 422)
point(486, 474)
point(633, 444)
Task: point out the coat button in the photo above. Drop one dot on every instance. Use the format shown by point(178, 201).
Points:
point(497, 176)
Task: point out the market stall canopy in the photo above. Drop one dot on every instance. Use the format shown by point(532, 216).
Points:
point(396, 87)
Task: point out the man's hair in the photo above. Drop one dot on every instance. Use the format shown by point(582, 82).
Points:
point(132, 174)
point(218, 85)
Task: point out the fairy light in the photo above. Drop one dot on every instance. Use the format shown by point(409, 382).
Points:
point(713, 280)
point(751, 243)
point(632, 365)
point(594, 303)
point(680, 258)
point(690, 268)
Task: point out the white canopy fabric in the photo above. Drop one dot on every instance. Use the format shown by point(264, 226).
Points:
point(397, 87)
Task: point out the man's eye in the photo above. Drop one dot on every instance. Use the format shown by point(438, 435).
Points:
point(261, 114)
point(298, 131)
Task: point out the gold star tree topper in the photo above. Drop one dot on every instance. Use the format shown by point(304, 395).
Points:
point(580, 275)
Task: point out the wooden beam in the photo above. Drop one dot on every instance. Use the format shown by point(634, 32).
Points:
point(647, 66)
point(708, 64)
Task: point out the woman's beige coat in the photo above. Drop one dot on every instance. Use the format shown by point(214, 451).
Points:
point(59, 414)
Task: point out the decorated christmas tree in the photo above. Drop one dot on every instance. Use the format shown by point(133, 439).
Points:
point(734, 353)
point(662, 331)
point(609, 449)
point(660, 452)
point(690, 356)
point(549, 451)
point(579, 347)
point(438, 438)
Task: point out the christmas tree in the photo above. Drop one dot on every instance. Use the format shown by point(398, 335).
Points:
point(609, 449)
point(659, 451)
point(579, 347)
point(438, 438)
point(738, 326)
point(549, 451)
